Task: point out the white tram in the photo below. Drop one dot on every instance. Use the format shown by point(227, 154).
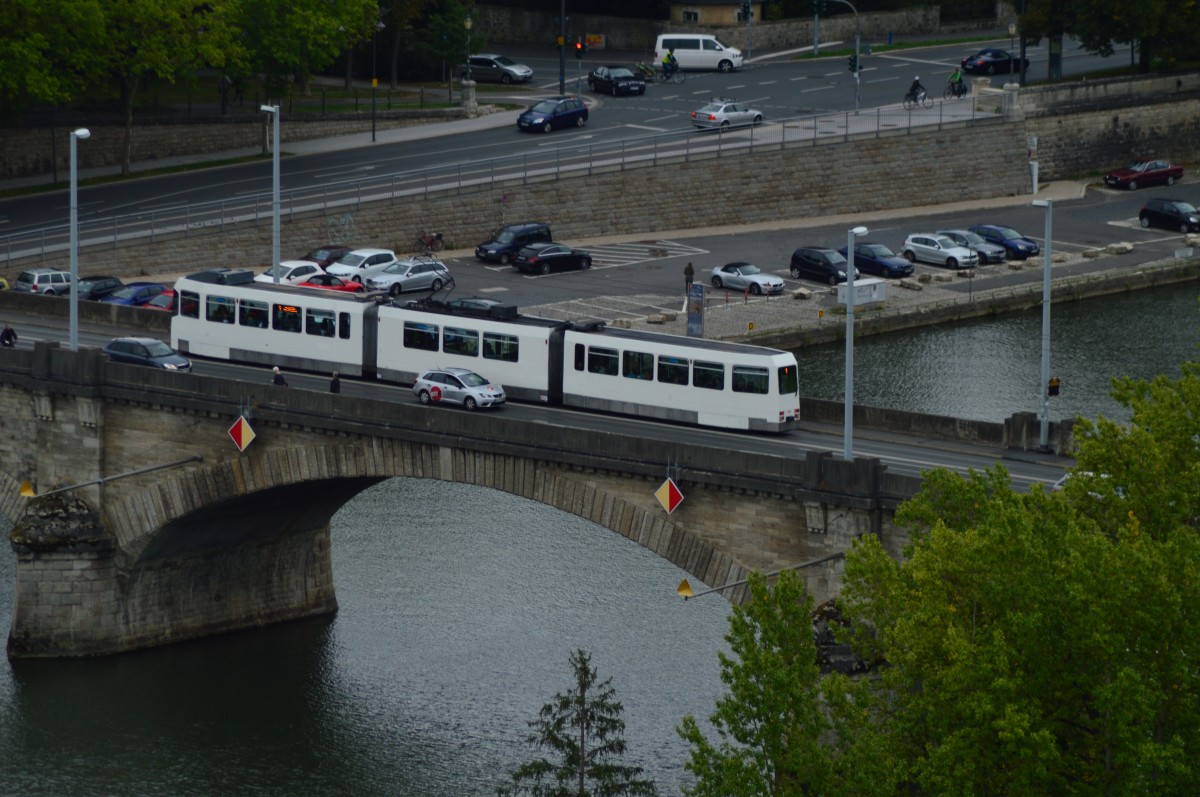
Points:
point(589, 365)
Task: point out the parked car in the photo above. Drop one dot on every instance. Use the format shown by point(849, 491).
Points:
point(991, 60)
point(872, 258)
point(823, 265)
point(1143, 173)
point(457, 386)
point(938, 249)
point(492, 68)
point(1016, 246)
point(988, 252)
point(96, 288)
point(552, 112)
point(289, 272)
point(135, 294)
point(505, 242)
point(164, 301)
point(725, 113)
point(545, 256)
point(331, 283)
point(416, 273)
point(359, 264)
point(741, 276)
point(615, 80)
point(1171, 214)
point(326, 256)
point(146, 351)
point(46, 281)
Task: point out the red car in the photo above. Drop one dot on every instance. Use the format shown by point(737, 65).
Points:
point(164, 301)
point(331, 283)
point(1136, 175)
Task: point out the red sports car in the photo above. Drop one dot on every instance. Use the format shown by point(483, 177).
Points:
point(1136, 175)
point(331, 283)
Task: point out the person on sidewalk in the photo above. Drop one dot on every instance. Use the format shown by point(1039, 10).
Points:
point(335, 383)
point(278, 378)
point(8, 338)
point(689, 274)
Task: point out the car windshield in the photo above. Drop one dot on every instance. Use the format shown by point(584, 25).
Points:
point(879, 250)
point(748, 270)
point(618, 73)
point(504, 60)
point(545, 106)
point(162, 300)
point(280, 270)
point(973, 238)
point(352, 260)
point(157, 348)
point(945, 243)
point(397, 268)
point(502, 237)
point(836, 258)
point(1140, 166)
point(320, 254)
point(126, 293)
point(1184, 207)
point(1008, 233)
point(711, 109)
point(472, 379)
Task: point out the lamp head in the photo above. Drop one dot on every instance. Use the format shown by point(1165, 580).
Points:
point(859, 231)
point(467, 23)
point(82, 132)
point(1043, 203)
point(267, 108)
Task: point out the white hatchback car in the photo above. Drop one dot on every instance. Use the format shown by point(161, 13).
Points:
point(290, 272)
point(930, 248)
point(457, 386)
point(362, 263)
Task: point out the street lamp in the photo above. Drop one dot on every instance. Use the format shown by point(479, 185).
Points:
point(1044, 432)
point(374, 79)
point(857, 53)
point(82, 132)
point(848, 433)
point(468, 24)
point(274, 111)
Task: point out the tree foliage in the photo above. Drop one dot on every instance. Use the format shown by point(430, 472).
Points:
point(584, 731)
point(48, 51)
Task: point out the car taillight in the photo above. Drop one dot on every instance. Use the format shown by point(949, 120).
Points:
point(712, 117)
point(693, 114)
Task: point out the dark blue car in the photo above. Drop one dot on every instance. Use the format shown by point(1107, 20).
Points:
point(877, 259)
point(1016, 246)
point(554, 112)
point(135, 293)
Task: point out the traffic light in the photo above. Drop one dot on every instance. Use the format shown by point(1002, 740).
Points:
point(1053, 388)
point(820, 7)
point(745, 9)
point(852, 61)
point(579, 48)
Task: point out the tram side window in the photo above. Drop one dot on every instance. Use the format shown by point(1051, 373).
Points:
point(747, 379)
point(789, 382)
point(219, 309)
point(708, 375)
point(497, 346)
point(673, 370)
point(602, 361)
point(637, 365)
point(420, 336)
point(580, 356)
point(189, 304)
point(252, 313)
point(464, 342)
point(344, 326)
point(285, 317)
point(319, 322)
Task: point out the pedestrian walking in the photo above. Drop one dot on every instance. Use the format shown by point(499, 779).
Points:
point(689, 274)
point(335, 383)
point(278, 378)
point(8, 338)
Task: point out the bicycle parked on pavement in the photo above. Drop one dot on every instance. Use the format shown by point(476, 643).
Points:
point(428, 242)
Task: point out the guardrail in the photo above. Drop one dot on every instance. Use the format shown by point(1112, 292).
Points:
point(473, 176)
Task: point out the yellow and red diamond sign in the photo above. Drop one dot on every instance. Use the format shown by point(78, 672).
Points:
point(241, 433)
point(669, 496)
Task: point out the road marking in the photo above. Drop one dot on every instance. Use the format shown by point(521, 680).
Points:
point(767, 82)
point(822, 88)
point(737, 86)
point(647, 127)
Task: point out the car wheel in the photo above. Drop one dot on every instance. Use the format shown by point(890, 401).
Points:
point(910, 256)
point(357, 278)
point(585, 263)
point(506, 79)
point(1133, 185)
point(546, 127)
point(1170, 180)
point(424, 398)
point(395, 289)
point(436, 286)
point(469, 404)
point(1144, 221)
point(758, 119)
point(755, 288)
point(580, 121)
point(951, 262)
point(1183, 228)
point(725, 66)
point(505, 259)
point(795, 273)
point(991, 70)
point(716, 282)
point(614, 90)
point(545, 269)
point(725, 125)
point(833, 280)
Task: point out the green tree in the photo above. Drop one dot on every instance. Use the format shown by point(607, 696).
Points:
point(782, 730)
point(49, 51)
point(584, 730)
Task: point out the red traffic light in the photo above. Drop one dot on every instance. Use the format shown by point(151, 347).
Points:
point(579, 49)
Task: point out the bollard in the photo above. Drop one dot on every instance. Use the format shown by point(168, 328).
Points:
point(889, 38)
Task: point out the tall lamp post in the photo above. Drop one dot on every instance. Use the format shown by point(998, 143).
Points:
point(82, 132)
point(468, 24)
point(848, 432)
point(857, 53)
point(274, 111)
point(1044, 432)
point(374, 78)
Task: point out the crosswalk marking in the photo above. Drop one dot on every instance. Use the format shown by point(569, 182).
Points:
point(624, 254)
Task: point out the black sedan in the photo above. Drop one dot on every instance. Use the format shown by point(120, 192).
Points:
point(96, 288)
point(992, 60)
point(615, 80)
point(146, 351)
point(877, 259)
point(544, 257)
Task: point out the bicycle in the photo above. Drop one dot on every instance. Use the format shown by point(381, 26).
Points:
point(428, 242)
point(674, 77)
point(646, 72)
point(924, 100)
point(955, 91)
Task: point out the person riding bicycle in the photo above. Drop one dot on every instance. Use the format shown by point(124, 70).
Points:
point(916, 90)
point(669, 63)
point(956, 81)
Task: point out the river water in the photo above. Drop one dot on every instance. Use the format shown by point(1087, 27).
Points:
point(460, 606)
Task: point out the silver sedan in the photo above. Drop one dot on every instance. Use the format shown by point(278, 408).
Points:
point(724, 114)
point(745, 277)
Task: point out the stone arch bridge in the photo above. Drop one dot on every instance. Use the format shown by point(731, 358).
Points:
point(221, 540)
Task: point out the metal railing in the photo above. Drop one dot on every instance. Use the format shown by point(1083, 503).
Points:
point(474, 176)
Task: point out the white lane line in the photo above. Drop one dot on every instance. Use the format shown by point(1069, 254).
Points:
point(822, 88)
point(647, 127)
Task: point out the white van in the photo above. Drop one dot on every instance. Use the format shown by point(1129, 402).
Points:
point(697, 51)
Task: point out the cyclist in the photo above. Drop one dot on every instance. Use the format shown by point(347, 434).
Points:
point(669, 63)
point(916, 90)
point(956, 82)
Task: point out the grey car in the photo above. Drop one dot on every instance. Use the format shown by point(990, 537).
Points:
point(988, 252)
point(457, 386)
point(938, 249)
point(492, 68)
point(413, 274)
